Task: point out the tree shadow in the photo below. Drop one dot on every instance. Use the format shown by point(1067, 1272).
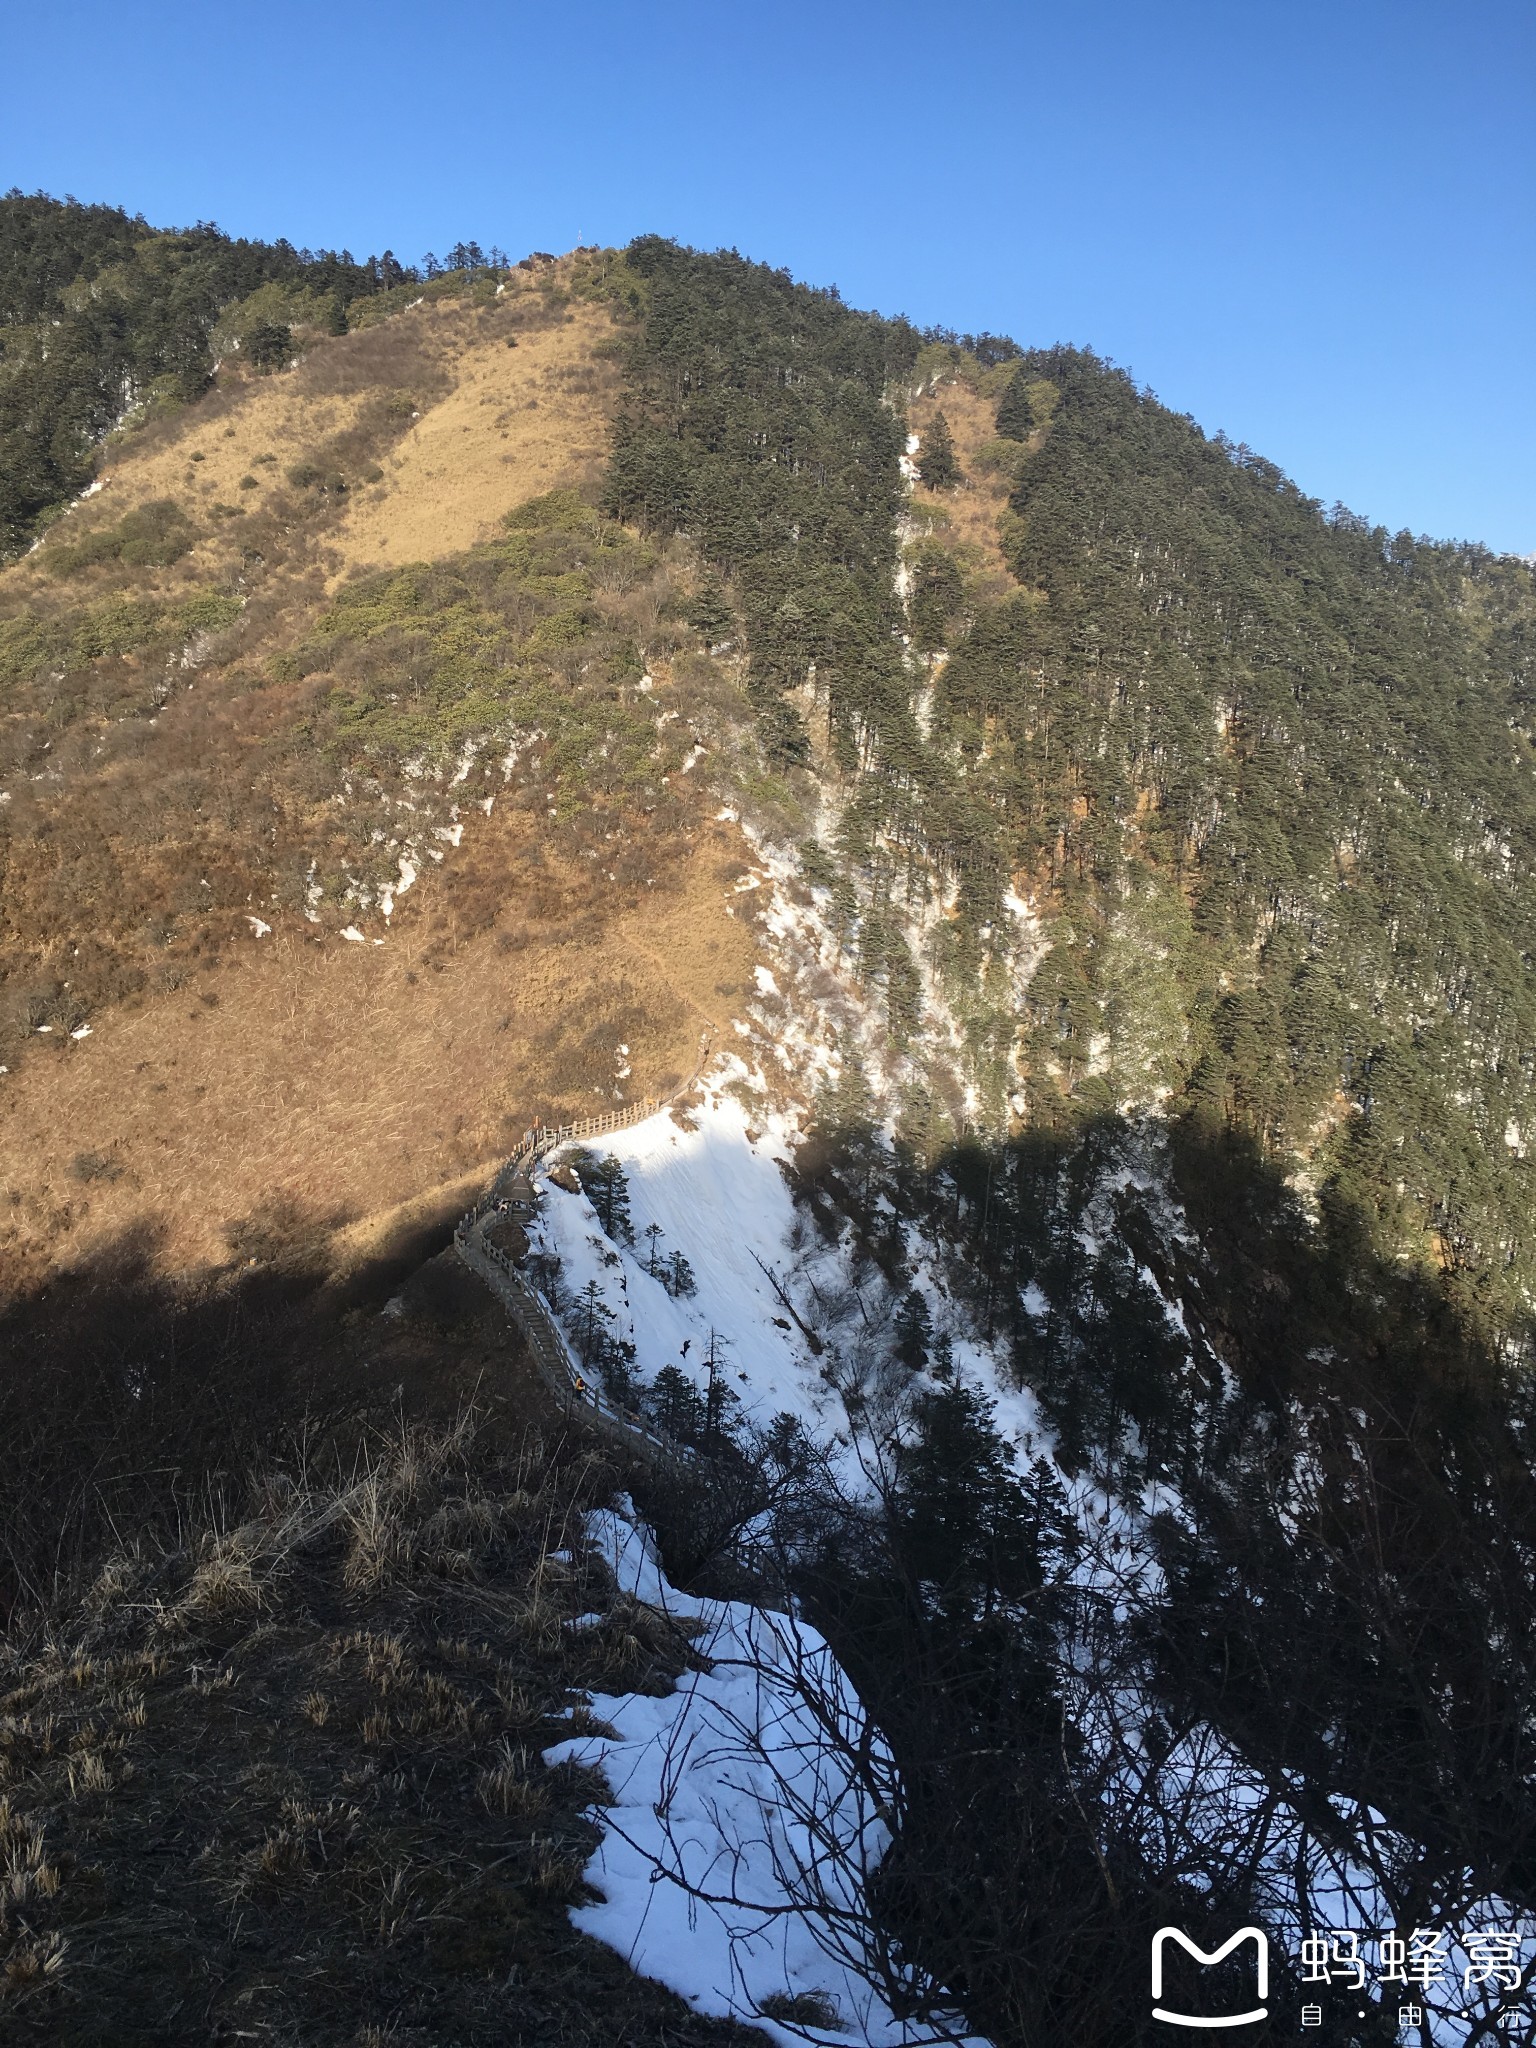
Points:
point(135, 1403)
point(1341, 1528)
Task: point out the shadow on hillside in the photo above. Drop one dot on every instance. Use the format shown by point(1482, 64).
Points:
point(133, 1405)
point(1344, 1589)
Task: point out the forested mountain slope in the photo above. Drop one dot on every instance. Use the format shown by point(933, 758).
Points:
point(1266, 772)
point(1108, 874)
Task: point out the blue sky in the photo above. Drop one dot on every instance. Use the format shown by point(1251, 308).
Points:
point(1311, 225)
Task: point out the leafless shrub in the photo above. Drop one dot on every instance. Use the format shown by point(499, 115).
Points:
point(1014, 1804)
point(802, 2009)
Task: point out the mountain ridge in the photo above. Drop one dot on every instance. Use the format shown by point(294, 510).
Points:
point(1109, 875)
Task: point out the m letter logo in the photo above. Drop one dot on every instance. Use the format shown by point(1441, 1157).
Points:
point(1217, 1955)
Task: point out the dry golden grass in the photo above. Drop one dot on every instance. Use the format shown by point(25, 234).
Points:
point(968, 514)
point(270, 416)
point(235, 434)
point(517, 422)
point(255, 427)
point(356, 1247)
point(323, 1813)
point(493, 425)
point(355, 1081)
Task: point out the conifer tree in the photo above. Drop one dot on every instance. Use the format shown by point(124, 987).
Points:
point(719, 1399)
point(709, 613)
point(592, 1318)
point(782, 735)
point(935, 597)
point(914, 1330)
point(964, 1522)
point(936, 464)
point(269, 347)
point(1016, 415)
point(676, 1406)
point(606, 1186)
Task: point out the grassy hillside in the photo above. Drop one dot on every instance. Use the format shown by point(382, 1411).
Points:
point(285, 1781)
point(289, 674)
point(103, 317)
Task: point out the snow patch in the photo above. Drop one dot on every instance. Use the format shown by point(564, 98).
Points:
point(728, 1785)
point(720, 1199)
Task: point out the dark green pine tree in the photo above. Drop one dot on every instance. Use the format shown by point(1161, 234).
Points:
point(1058, 1542)
point(591, 1320)
point(1016, 416)
point(936, 596)
point(676, 1406)
point(782, 735)
point(709, 611)
point(604, 1183)
point(269, 347)
point(914, 1331)
point(963, 1521)
point(719, 1399)
point(936, 463)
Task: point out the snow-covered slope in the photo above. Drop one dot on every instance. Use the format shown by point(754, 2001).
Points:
point(740, 1828)
point(765, 1276)
point(718, 1195)
point(724, 1787)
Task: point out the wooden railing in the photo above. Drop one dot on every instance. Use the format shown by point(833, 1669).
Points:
point(551, 1355)
point(512, 1193)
